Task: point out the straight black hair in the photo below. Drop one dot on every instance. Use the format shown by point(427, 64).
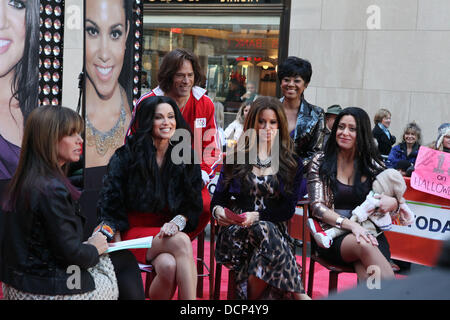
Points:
point(140, 141)
point(143, 152)
point(366, 161)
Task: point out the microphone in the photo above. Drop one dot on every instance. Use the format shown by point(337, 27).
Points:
point(106, 229)
point(80, 87)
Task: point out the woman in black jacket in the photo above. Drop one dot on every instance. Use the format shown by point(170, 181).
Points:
point(153, 188)
point(381, 133)
point(43, 255)
point(408, 149)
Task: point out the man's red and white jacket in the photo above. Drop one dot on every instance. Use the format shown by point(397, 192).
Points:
point(199, 114)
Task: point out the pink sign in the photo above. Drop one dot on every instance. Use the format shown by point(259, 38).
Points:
point(432, 172)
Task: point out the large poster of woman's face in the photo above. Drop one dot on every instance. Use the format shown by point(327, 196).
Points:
point(19, 86)
point(109, 53)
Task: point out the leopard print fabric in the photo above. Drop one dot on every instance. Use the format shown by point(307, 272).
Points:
point(264, 250)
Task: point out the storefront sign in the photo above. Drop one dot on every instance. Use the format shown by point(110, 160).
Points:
point(249, 59)
point(245, 43)
point(432, 172)
point(255, 43)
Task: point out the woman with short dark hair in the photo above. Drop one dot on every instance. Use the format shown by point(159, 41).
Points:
point(306, 122)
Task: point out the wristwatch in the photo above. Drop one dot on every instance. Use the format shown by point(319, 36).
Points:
point(339, 222)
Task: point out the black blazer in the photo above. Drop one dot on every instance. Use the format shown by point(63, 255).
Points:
point(40, 243)
point(384, 143)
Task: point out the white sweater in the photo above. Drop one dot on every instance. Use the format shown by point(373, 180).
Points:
point(234, 130)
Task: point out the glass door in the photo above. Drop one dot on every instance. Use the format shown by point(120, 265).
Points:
point(236, 53)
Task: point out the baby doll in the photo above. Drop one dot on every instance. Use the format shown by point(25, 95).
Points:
point(389, 182)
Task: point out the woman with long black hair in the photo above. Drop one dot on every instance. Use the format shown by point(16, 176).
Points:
point(339, 179)
point(109, 34)
point(147, 192)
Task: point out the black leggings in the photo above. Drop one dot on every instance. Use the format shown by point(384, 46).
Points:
point(334, 252)
point(128, 275)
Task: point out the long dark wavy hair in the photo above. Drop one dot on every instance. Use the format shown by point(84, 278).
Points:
point(248, 143)
point(25, 84)
point(126, 75)
point(140, 141)
point(366, 162)
point(44, 128)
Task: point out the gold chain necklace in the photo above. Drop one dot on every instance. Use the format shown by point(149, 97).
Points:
point(113, 138)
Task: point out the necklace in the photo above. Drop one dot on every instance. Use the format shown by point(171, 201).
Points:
point(182, 104)
point(181, 107)
point(112, 138)
point(263, 163)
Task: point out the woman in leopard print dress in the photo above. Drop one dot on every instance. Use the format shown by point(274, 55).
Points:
point(262, 180)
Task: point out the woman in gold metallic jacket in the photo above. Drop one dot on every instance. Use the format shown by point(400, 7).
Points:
point(339, 178)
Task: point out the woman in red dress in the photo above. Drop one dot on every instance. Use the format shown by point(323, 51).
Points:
point(148, 192)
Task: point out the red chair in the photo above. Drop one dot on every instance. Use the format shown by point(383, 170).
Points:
point(215, 284)
point(300, 241)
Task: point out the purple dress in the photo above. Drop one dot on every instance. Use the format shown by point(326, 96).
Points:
point(9, 158)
